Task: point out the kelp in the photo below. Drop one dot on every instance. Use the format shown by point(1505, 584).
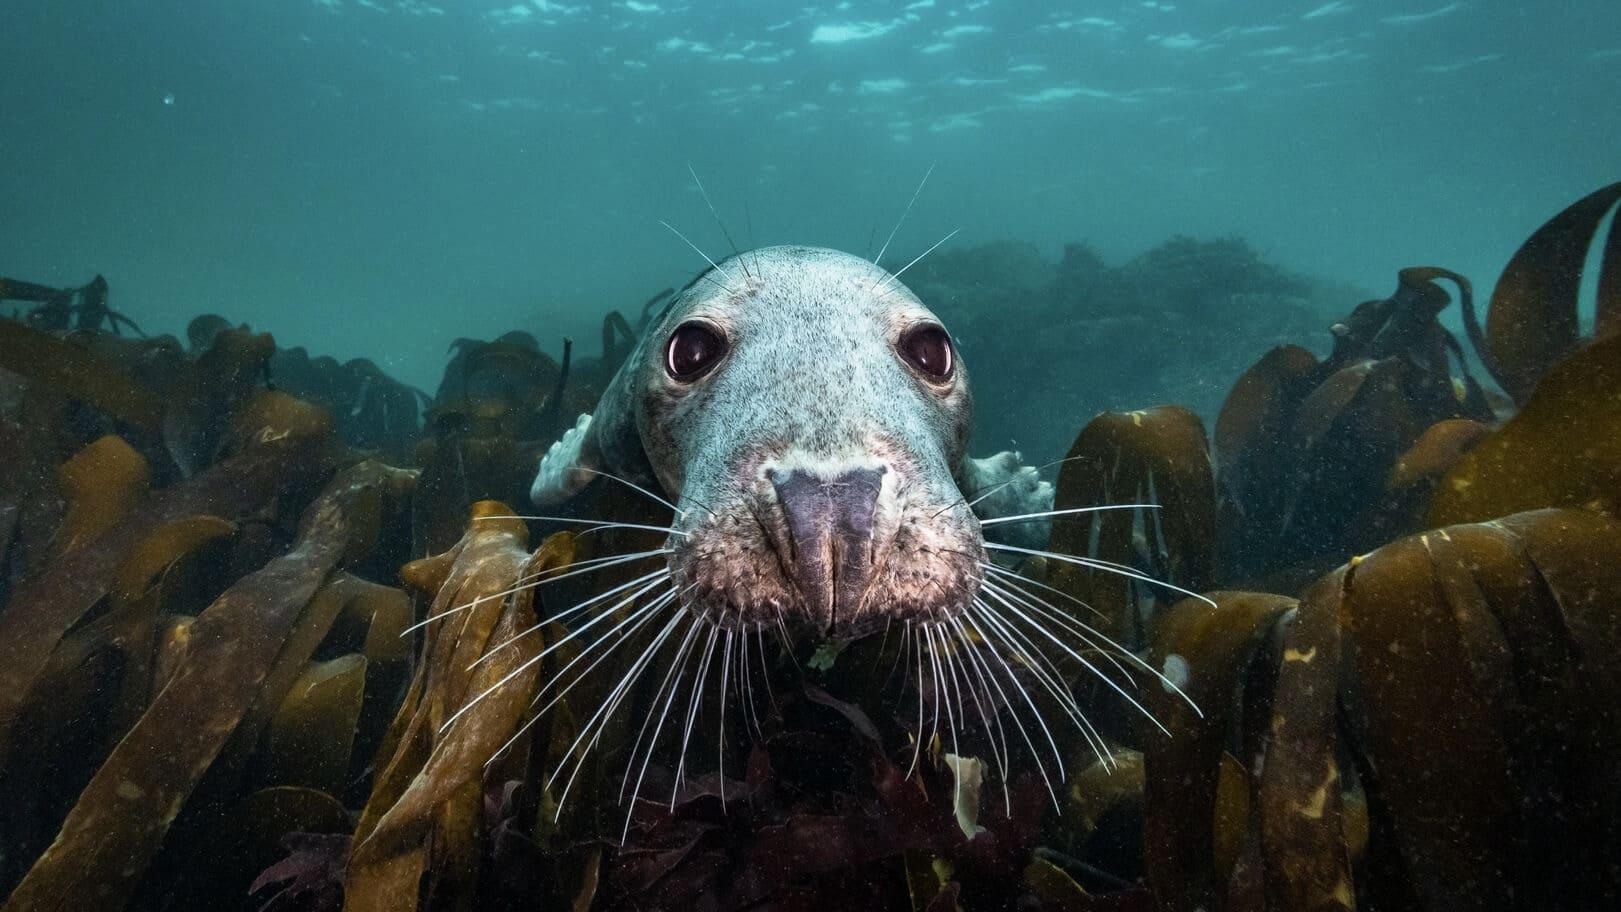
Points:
point(1563, 447)
point(430, 791)
point(1210, 653)
point(74, 370)
point(1305, 448)
point(1157, 455)
point(119, 820)
point(1447, 669)
point(44, 607)
point(1533, 322)
point(61, 309)
point(102, 483)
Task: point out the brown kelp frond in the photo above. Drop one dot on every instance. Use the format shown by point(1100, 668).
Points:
point(72, 369)
point(1467, 675)
point(61, 594)
point(1156, 456)
point(1563, 448)
point(1305, 450)
point(81, 309)
point(430, 783)
point(1534, 321)
point(119, 821)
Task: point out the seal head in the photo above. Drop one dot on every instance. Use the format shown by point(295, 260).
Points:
point(808, 416)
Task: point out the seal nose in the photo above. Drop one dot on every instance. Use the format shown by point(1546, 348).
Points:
point(830, 537)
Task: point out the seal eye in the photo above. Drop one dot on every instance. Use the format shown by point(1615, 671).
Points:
point(928, 349)
point(694, 349)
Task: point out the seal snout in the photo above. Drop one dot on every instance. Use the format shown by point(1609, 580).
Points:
point(830, 520)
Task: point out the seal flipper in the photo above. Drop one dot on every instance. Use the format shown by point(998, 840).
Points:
point(604, 442)
point(1008, 488)
point(568, 466)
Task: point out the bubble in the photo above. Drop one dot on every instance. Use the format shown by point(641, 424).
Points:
point(168, 98)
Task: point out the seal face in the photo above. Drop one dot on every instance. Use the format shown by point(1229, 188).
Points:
point(808, 416)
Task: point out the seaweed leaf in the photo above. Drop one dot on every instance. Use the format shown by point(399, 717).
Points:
point(65, 590)
point(1563, 448)
point(1155, 455)
point(1533, 321)
point(79, 372)
point(120, 819)
point(1209, 652)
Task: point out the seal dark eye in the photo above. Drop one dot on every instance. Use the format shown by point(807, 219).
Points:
point(694, 349)
point(928, 349)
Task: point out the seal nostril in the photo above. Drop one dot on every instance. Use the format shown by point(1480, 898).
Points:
point(830, 523)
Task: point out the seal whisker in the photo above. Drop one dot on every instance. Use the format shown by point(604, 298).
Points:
point(1026, 517)
point(934, 692)
point(1096, 672)
point(694, 704)
point(1017, 580)
point(951, 717)
point(657, 576)
point(720, 729)
point(1025, 600)
point(917, 745)
point(532, 580)
point(901, 652)
point(1052, 682)
point(895, 276)
point(531, 662)
point(597, 524)
point(1031, 654)
point(729, 276)
point(1099, 564)
point(878, 260)
point(683, 655)
point(745, 683)
point(765, 674)
point(787, 641)
point(727, 234)
point(676, 661)
point(610, 705)
point(975, 663)
point(641, 617)
point(981, 495)
point(1090, 634)
point(636, 487)
point(645, 614)
point(961, 682)
point(1018, 723)
point(524, 582)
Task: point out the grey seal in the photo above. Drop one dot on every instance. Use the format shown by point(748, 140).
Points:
point(808, 418)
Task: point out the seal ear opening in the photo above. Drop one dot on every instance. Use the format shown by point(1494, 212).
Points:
point(568, 466)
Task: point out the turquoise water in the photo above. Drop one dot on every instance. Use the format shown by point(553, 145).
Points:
point(375, 178)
